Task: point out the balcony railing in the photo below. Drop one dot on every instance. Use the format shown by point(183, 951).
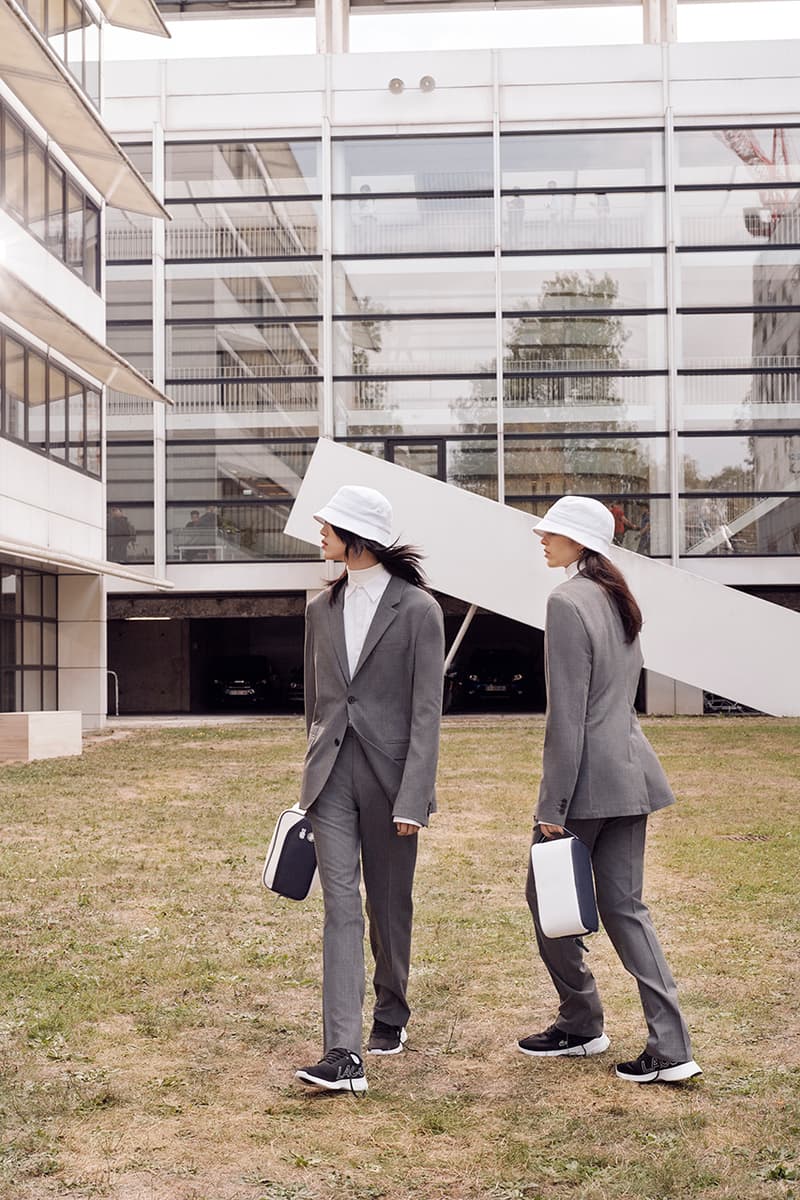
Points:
point(254, 239)
point(244, 397)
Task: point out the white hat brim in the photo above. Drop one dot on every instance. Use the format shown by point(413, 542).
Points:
point(357, 525)
point(590, 540)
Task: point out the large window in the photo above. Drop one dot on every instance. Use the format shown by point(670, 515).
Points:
point(228, 501)
point(129, 236)
point(231, 200)
point(438, 311)
point(412, 195)
point(738, 295)
point(582, 190)
point(242, 169)
point(47, 408)
point(28, 640)
point(130, 515)
point(74, 35)
point(242, 291)
point(36, 191)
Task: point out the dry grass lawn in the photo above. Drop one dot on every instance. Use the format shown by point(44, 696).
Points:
point(155, 998)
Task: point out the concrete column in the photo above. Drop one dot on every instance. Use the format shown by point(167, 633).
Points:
point(660, 20)
point(333, 26)
point(82, 683)
point(665, 697)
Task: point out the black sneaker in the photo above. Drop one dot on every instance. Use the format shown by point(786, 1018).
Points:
point(386, 1039)
point(555, 1041)
point(339, 1070)
point(649, 1069)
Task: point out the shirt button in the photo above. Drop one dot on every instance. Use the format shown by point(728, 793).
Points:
point(351, 699)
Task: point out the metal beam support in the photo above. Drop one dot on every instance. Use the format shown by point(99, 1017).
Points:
point(462, 632)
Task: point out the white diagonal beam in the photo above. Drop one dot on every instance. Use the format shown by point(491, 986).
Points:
point(700, 632)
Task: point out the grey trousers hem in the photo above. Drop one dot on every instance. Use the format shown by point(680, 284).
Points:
point(617, 848)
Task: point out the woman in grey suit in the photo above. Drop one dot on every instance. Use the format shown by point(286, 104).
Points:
point(600, 780)
point(374, 669)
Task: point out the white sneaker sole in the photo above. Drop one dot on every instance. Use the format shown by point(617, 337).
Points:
point(595, 1046)
point(397, 1049)
point(340, 1085)
point(675, 1074)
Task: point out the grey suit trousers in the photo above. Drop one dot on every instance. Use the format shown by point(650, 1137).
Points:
point(617, 849)
point(353, 829)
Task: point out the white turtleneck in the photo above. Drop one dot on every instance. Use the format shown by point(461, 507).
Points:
point(361, 598)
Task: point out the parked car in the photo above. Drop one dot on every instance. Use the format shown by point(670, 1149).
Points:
point(294, 692)
point(243, 681)
point(488, 676)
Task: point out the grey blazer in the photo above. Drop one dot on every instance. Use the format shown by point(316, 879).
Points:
point(393, 701)
point(596, 761)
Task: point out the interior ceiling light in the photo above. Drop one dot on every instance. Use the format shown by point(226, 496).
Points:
point(396, 86)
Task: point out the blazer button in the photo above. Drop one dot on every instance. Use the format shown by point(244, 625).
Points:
point(351, 699)
point(336, 741)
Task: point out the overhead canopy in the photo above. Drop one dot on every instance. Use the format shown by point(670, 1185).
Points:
point(43, 84)
point(69, 564)
point(34, 313)
point(141, 15)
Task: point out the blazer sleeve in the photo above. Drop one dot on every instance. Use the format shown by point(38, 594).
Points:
point(309, 672)
point(568, 664)
point(416, 794)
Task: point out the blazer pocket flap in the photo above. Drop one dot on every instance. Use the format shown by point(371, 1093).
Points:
point(397, 749)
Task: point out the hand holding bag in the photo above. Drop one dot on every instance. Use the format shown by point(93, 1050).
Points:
point(562, 872)
point(290, 868)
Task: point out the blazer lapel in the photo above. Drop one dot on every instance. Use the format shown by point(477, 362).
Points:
point(384, 615)
point(335, 613)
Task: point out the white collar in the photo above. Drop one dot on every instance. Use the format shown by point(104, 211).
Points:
point(572, 569)
point(373, 580)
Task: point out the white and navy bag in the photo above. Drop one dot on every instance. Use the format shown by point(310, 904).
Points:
point(562, 872)
point(290, 868)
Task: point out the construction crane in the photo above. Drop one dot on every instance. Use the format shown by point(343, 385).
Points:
point(769, 167)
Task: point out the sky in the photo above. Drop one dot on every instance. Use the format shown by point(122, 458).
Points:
point(198, 38)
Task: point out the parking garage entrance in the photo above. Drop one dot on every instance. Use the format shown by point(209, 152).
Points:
point(243, 653)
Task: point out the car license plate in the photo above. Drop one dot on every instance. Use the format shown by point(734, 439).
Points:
point(496, 687)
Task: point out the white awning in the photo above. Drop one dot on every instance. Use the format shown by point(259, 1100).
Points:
point(39, 317)
point(28, 552)
point(44, 85)
point(141, 15)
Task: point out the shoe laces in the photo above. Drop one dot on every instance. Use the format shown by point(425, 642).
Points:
point(336, 1054)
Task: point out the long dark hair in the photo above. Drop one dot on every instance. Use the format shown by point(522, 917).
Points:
point(403, 561)
point(601, 569)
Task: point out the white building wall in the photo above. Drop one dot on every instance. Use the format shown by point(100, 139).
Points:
point(52, 279)
point(46, 504)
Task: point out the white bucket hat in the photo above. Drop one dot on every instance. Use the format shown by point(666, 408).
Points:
point(586, 521)
point(359, 510)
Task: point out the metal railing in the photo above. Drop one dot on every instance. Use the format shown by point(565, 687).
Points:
point(242, 396)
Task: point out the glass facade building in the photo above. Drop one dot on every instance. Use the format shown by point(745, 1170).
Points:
point(521, 311)
point(59, 167)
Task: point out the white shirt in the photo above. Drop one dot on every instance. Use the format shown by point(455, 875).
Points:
point(362, 596)
point(572, 569)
